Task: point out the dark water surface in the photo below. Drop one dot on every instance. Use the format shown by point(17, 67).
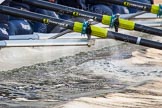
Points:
point(48, 85)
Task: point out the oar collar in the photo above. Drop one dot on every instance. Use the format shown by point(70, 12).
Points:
point(160, 11)
point(86, 29)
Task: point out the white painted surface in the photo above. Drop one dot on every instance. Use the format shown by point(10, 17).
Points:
point(1, 1)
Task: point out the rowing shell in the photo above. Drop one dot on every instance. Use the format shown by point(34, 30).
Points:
point(15, 57)
point(27, 50)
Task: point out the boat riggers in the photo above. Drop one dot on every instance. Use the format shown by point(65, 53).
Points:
point(104, 19)
point(155, 9)
point(77, 27)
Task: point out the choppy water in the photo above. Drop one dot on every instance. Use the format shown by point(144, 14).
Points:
point(48, 85)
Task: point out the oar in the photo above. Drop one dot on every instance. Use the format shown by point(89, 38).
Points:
point(155, 9)
point(104, 19)
point(79, 27)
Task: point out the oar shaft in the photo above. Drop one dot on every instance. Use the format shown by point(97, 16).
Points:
point(62, 9)
point(77, 27)
point(128, 3)
point(132, 4)
point(135, 40)
point(35, 17)
point(146, 29)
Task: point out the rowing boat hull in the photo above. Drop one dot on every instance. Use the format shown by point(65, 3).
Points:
point(16, 57)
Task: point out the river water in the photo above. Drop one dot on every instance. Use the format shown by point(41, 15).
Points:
point(57, 83)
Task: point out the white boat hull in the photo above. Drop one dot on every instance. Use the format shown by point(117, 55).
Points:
point(27, 54)
point(16, 57)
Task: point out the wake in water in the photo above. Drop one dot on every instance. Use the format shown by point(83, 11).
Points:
point(108, 74)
